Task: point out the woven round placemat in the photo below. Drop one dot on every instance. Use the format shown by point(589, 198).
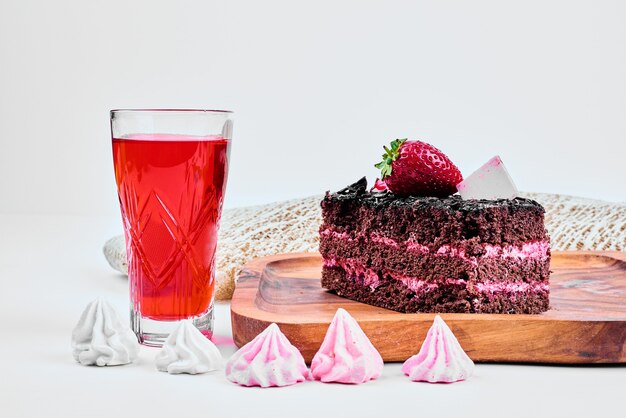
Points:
point(573, 223)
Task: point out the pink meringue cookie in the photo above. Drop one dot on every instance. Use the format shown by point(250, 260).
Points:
point(346, 354)
point(441, 358)
point(268, 360)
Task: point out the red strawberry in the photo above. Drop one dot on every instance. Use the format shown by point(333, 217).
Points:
point(415, 168)
point(379, 186)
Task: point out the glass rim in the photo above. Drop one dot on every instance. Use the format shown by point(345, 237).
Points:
point(169, 110)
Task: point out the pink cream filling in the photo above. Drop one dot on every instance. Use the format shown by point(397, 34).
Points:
point(529, 250)
point(370, 278)
point(355, 269)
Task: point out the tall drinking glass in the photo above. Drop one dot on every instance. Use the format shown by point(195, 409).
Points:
point(171, 168)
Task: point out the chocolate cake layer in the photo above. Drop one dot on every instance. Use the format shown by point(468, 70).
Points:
point(455, 297)
point(427, 254)
point(458, 262)
point(431, 220)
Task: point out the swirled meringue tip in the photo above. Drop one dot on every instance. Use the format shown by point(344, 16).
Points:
point(266, 361)
point(441, 358)
point(346, 354)
point(101, 339)
point(186, 350)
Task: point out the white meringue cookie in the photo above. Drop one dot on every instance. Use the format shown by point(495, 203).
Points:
point(101, 339)
point(186, 350)
point(441, 358)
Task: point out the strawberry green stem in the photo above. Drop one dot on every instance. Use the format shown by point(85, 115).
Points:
point(389, 157)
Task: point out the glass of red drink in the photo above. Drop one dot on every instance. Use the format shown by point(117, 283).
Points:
point(171, 168)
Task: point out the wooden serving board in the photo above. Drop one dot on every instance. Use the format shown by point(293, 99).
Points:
point(586, 322)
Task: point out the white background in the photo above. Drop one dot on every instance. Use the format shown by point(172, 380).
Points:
point(318, 87)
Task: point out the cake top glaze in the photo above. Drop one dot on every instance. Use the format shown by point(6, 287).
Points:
point(359, 191)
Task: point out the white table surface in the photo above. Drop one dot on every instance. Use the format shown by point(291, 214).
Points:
point(52, 266)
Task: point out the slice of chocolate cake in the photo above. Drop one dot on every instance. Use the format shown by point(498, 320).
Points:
point(430, 254)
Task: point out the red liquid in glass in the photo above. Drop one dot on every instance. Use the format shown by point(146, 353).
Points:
point(171, 189)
